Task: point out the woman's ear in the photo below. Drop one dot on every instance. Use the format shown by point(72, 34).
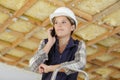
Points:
point(72, 27)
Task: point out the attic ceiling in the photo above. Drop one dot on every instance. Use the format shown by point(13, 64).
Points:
point(23, 24)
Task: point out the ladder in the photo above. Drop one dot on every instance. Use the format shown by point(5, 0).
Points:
point(76, 70)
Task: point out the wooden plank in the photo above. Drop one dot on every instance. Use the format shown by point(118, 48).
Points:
point(19, 40)
point(115, 75)
point(114, 47)
point(36, 22)
point(107, 11)
point(18, 13)
point(6, 24)
point(56, 2)
point(107, 26)
point(103, 36)
point(46, 22)
point(101, 51)
point(109, 63)
point(82, 14)
point(97, 39)
point(22, 59)
point(24, 8)
point(78, 12)
point(4, 10)
point(116, 54)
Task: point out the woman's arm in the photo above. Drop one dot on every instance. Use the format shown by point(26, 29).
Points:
point(42, 52)
point(79, 61)
point(39, 57)
point(43, 68)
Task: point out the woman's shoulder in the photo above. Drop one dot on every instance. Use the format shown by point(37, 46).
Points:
point(44, 40)
point(79, 41)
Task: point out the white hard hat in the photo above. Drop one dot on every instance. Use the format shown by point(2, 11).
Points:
point(63, 11)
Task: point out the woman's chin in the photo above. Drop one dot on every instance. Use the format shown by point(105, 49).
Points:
point(59, 36)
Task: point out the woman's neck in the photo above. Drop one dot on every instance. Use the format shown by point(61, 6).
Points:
point(63, 41)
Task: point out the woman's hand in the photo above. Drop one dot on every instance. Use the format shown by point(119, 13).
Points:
point(43, 68)
point(50, 38)
point(50, 43)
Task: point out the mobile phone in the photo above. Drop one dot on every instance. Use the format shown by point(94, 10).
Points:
point(53, 33)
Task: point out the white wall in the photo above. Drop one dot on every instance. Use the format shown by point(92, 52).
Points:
point(8, 72)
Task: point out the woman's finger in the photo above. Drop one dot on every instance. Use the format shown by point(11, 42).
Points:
point(41, 70)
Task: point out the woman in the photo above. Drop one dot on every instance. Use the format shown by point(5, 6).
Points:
point(61, 49)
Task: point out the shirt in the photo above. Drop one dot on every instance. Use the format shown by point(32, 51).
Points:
point(74, 56)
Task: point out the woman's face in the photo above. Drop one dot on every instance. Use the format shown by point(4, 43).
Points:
point(63, 26)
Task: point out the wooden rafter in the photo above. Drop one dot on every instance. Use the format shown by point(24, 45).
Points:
point(114, 47)
point(103, 36)
point(56, 2)
point(46, 22)
point(18, 13)
point(82, 14)
point(101, 51)
point(107, 11)
point(20, 39)
point(111, 62)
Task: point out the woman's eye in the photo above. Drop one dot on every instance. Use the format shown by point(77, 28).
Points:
point(63, 22)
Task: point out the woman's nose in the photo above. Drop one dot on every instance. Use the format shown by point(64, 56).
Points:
point(59, 24)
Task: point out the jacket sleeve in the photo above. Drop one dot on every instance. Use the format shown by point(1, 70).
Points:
point(39, 57)
point(79, 61)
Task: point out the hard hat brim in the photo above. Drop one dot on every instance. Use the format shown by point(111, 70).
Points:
point(59, 14)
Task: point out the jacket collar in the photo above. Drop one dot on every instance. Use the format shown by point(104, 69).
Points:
point(70, 44)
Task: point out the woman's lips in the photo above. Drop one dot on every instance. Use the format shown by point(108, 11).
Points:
point(60, 30)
